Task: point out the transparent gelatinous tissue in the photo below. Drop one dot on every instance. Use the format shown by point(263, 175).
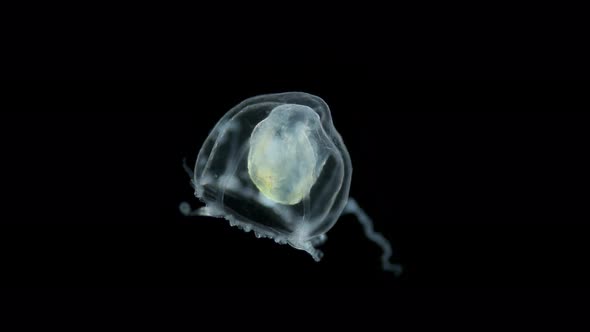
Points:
point(275, 164)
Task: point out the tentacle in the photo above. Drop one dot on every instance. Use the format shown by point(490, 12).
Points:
point(353, 208)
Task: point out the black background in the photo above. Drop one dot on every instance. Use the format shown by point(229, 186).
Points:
point(480, 185)
point(476, 184)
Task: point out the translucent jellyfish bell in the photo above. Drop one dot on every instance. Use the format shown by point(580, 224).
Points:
point(276, 165)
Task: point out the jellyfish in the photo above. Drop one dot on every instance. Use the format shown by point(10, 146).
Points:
point(275, 165)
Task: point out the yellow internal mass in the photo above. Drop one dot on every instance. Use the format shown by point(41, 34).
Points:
point(281, 165)
point(266, 181)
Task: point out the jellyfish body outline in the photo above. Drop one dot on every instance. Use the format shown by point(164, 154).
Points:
point(302, 225)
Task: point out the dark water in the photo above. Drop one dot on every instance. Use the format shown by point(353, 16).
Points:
point(475, 184)
point(480, 186)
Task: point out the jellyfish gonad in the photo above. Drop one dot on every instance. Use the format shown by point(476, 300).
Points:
point(275, 164)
